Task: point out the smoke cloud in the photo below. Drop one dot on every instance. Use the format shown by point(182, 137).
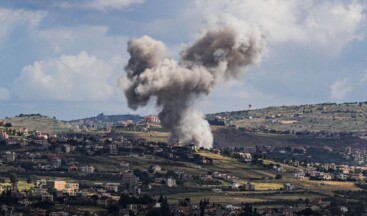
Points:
point(218, 54)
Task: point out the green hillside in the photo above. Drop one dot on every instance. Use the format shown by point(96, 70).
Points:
point(36, 122)
point(326, 117)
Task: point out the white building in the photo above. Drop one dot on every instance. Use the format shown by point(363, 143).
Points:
point(11, 156)
point(171, 182)
point(114, 187)
point(87, 169)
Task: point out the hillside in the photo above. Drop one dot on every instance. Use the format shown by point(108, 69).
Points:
point(326, 117)
point(232, 137)
point(106, 119)
point(36, 122)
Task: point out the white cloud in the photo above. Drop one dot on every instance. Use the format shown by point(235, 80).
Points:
point(101, 5)
point(335, 23)
point(4, 93)
point(340, 88)
point(9, 19)
point(67, 78)
point(93, 39)
point(111, 4)
point(58, 76)
point(325, 23)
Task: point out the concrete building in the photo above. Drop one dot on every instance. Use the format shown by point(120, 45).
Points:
point(113, 187)
point(58, 185)
point(249, 187)
point(87, 169)
point(249, 149)
point(113, 149)
point(289, 187)
point(247, 157)
point(47, 198)
point(153, 119)
point(171, 182)
point(11, 156)
point(72, 185)
point(131, 182)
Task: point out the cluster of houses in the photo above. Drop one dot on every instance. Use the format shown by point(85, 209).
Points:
point(56, 155)
point(331, 171)
point(8, 156)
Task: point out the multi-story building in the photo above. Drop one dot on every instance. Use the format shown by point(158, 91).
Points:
point(113, 149)
point(171, 182)
point(58, 185)
point(114, 187)
point(87, 169)
point(72, 186)
point(11, 156)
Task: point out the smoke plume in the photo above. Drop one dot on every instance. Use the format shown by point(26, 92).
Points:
point(217, 54)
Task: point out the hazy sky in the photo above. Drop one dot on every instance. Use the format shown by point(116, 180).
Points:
point(63, 58)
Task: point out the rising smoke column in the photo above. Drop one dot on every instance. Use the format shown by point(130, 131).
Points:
point(217, 54)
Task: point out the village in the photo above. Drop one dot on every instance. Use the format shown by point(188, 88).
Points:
point(68, 173)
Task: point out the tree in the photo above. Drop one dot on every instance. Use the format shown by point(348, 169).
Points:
point(307, 201)
point(171, 173)
point(14, 181)
point(113, 209)
point(94, 197)
point(164, 207)
point(247, 210)
point(278, 176)
point(308, 211)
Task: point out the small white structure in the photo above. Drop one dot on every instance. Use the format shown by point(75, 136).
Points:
point(171, 182)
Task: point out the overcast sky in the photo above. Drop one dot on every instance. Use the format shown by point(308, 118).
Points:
point(63, 58)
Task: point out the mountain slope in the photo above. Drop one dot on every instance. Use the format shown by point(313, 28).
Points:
point(326, 117)
point(36, 122)
point(107, 119)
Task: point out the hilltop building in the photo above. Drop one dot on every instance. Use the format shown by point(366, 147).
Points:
point(152, 119)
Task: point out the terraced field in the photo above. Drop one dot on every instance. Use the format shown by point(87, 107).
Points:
point(39, 123)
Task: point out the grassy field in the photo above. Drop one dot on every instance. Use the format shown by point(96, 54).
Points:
point(312, 117)
point(235, 167)
point(144, 163)
point(213, 197)
point(22, 185)
point(325, 187)
point(112, 163)
point(232, 137)
point(90, 208)
point(285, 166)
point(268, 185)
point(149, 136)
point(39, 123)
point(7, 168)
point(239, 197)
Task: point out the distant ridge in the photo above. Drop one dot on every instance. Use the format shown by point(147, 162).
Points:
point(38, 122)
point(322, 117)
point(106, 119)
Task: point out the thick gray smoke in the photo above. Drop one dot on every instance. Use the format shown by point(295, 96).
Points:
point(221, 53)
